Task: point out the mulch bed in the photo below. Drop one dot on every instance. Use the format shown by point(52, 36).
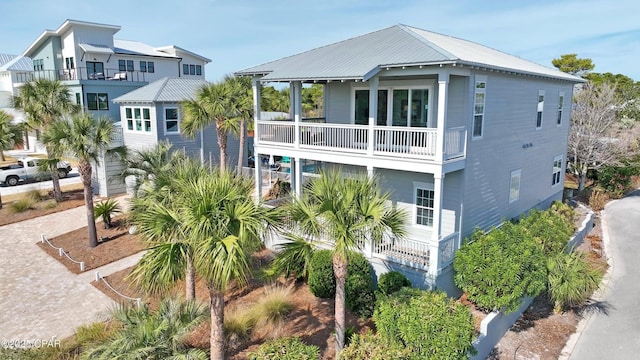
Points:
point(113, 244)
point(71, 199)
point(312, 318)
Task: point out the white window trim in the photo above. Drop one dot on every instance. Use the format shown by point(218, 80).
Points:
point(560, 113)
point(515, 174)
point(477, 79)
point(164, 123)
point(560, 159)
point(125, 124)
point(390, 89)
point(540, 109)
point(416, 186)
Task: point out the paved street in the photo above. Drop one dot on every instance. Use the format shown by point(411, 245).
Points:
point(614, 332)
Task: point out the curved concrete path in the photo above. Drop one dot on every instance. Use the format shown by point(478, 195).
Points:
point(613, 330)
point(39, 297)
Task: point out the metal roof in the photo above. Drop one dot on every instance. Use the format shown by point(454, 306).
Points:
point(362, 57)
point(164, 90)
point(15, 63)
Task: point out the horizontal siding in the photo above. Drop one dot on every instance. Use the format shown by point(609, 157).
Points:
point(458, 106)
point(510, 123)
point(338, 102)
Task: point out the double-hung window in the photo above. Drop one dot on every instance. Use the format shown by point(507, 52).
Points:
point(171, 121)
point(556, 175)
point(478, 106)
point(424, 202)
point(540, 109)
point(122, 65)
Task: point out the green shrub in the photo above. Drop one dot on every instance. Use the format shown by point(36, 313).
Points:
point(371, 347)
point(499, 268)
point(105, 209)
point(548, 229)
point(285, 349)
point(359, 295)
point(21, 205)
point(322, 282)
point(616, 180)
point(428, 323)
point(571, 280)
point(390, 282)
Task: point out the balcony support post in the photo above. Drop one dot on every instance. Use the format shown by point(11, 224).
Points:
point(256, 86)
point(373, 113)
point(296, 106)
point(443, 89)
point(438, 187)
point(296, 175)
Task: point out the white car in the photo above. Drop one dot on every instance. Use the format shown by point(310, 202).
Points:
point(27, 169)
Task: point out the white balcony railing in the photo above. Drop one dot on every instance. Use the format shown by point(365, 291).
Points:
point(334, 138)
point(393, 141)
point(404, 251)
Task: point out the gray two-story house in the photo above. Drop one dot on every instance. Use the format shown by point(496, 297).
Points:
point(464, 136)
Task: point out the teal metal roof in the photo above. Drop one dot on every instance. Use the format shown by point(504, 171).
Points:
point(362, 57)
point(167, 89)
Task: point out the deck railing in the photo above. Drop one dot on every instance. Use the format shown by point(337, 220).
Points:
point(81, 73)
point(419, 143)
point(404, 251)
point(330, 137)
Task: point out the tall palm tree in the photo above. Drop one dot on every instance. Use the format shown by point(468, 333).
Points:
point(160, 227)
point(240, 110)
point(146, 334)
point(46, 102)
point(10, 134)
point(347, 211)
point(86, 138)
point(211, 106)
point(214, 213)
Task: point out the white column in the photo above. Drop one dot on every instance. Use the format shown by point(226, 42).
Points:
point(438, 188)
point(443, 88)
point(373, 113)
point(296, 105)
point(297, 172)
point(257, 175)
point(256, 136)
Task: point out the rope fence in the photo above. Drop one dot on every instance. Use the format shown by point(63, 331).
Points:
point(99, 277)
point(61, 252)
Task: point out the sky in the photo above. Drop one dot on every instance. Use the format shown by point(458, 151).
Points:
point(237, 34)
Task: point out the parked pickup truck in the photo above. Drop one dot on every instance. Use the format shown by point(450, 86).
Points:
point(27, 169)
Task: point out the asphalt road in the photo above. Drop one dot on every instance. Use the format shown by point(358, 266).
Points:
point(613, 330)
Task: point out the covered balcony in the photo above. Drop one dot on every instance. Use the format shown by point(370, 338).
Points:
point(390, 141)
point(81, 73)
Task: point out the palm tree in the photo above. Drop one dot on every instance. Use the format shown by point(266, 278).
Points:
point(215, 214)
point(146, 334)
point(46, 102)
point(85, 138)
point(211, 106)
point(10, 134)
point(348, 211)
point(240, 110)
point(148, 164)
point(154, 213)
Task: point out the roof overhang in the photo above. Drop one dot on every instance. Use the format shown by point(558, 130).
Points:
point(63, 28)
point(96, 49)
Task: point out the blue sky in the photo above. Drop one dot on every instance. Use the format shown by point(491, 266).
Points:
point(237, 34)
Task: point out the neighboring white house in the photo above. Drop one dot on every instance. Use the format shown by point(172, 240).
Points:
point(98, 68)
point(464, 136)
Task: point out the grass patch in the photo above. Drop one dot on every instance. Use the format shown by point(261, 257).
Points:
point(22, 205)
point(238, 324)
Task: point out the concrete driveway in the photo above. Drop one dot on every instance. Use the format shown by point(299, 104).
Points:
point(613, 331)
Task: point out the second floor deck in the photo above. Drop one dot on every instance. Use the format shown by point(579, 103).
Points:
point(385, 141)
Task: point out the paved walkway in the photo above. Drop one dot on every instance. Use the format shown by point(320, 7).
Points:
point(614, 331)
point(39, 297)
